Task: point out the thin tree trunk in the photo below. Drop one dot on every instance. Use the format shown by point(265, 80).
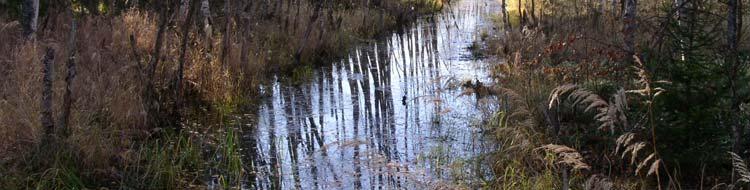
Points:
point(630, 27)
point(733, 30)
point(367, 13)
point(308, 30)
point(622, 7)
point(533, 13)
point(47, 123)
point(506, 17)
point(183, 58)
point(227, 31)
point(565, 178)
point(682, 18)
point(740, 17)
point(67, 97)
point(30, 17)
point(246, 24)
point(520, 16)
point(614, 9)
point(149, 97)
point(286, 13)
point(206, 22)
point(296, 17)
point(182, 10)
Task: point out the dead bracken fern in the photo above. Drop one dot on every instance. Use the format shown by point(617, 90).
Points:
point(633, 148)
point(739, 166)
point(567, 156)
point(608, 113)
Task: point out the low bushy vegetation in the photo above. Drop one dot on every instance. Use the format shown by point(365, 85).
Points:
point(585, 112)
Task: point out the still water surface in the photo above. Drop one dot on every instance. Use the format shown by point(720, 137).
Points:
point(388, 116)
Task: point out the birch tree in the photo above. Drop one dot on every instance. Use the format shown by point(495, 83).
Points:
point(29, 17)
point(506, 17)
point(733, 30)
point(630, 26)
point(227, 31)
point(71, 69)
point(206, 22)
point(532, 12)
point(47, 123)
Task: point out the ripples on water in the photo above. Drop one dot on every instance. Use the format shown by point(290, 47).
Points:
point(389, 116)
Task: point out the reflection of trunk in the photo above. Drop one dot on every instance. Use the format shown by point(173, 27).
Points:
point(30, 17)
point(251, 156)
point(293, 133)
point(355, 116)
point(380, 77)
point(341, 131)
point(67, 99)
point(312, 137)
point(294, 155)
point(365, 88)
point(273, 154)
point(306, 128)
point(47, 123)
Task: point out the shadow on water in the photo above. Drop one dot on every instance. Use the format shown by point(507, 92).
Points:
point(390, 115)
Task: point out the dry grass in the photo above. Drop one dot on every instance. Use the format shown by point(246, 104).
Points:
point(110, 135)
point(107, 109)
